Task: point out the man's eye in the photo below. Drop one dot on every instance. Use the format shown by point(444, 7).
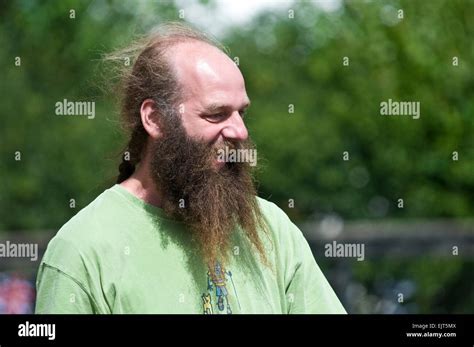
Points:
point(218, 117)
point(215, 117)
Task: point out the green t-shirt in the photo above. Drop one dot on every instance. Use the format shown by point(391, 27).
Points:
point(122, 255)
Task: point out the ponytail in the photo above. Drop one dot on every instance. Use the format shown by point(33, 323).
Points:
point(135, 149)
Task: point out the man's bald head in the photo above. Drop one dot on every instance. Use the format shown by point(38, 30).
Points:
point(198, 64)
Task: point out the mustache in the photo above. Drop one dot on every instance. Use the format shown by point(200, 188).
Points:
point(231, 144)
point(244, 150)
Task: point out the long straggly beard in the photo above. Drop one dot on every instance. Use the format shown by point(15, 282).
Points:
point(210, 201)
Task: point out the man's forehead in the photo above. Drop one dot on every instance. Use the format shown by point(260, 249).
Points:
point(204, 69)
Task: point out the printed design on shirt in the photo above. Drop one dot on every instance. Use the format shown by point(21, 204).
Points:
point(218, 279)
point(206, 304)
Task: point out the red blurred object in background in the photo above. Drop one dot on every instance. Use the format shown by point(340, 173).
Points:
point(16, 294)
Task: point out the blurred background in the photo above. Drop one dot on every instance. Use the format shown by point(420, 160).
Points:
point(316, 72)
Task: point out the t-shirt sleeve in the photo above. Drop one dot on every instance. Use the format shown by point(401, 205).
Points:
point(308, 290)
point(68, 279)
point(59, 293)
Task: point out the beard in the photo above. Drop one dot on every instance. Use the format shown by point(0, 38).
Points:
point(211, 201)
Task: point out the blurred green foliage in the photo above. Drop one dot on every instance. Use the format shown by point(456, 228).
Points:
point(62, 157)
point(285, 61)
point(337, 107)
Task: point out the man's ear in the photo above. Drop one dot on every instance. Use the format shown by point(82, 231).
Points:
point(150, 119)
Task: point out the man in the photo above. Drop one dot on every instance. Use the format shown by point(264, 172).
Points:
point(182, 231)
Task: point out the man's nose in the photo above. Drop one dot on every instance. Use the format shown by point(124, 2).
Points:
point(234, 128)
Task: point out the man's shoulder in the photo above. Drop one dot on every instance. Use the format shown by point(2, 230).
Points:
point(91, 223)
point(86, 233)
point(269, 207)
point(278, 221)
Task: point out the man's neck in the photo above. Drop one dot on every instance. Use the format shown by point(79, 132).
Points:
point(142, 186)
